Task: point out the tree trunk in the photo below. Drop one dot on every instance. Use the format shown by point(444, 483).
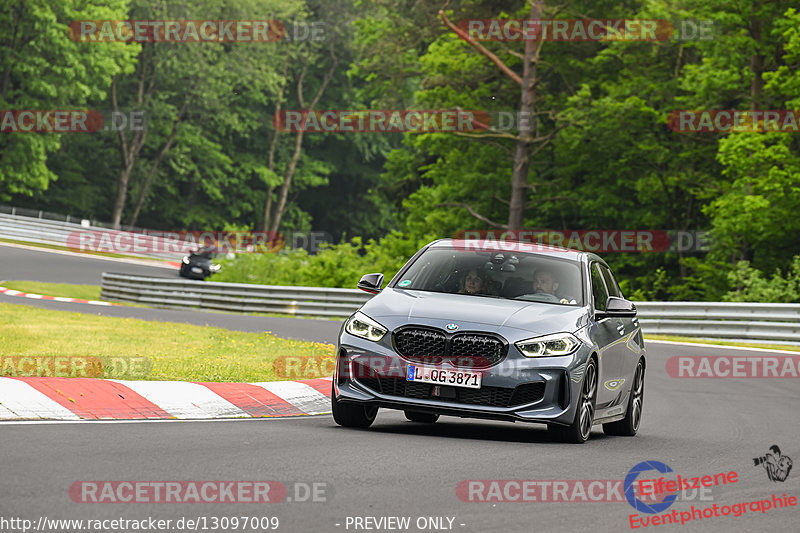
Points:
point(287, 182)
point(129, 148)
point(128, 152)
point(272, 145)
point(522, 162)
point(756, 66)
point(148, 179)
point(268, 208)
point(298, 145)
point(122, 194)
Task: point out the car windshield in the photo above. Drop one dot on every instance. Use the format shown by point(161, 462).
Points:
point(206, 253)
point(512, 275)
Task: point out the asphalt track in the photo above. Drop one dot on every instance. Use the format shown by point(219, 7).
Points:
point(397, 468)
point(30, 264)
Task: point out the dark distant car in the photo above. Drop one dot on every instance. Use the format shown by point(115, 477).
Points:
point(518, 332)
point(199, 265)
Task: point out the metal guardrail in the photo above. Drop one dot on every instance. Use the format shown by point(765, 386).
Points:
point(62, 233)
point(42, 227)
point(24, 212)
point(722, 320)
point(37, 230)
point(236, 297)
point(753, 321)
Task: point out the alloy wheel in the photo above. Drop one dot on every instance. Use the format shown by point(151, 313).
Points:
point(587, 400)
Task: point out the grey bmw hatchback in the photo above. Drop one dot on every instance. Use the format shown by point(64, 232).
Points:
point(496, 330)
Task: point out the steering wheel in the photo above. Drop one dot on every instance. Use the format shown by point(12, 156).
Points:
point(546, 296)
point(541, 297)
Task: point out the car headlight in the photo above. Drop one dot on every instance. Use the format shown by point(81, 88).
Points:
point(214, 268)
point(363, 326)
point(186, 259)
point(549, 345)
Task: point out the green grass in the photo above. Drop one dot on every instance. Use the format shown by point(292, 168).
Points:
point(675, 338)
point(166, 351)
point(66, 290)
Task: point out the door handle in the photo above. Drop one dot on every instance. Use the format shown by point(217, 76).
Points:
point(621, 329)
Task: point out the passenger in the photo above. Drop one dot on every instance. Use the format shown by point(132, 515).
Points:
point(475, 282)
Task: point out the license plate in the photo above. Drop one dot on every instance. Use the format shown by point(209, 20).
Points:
point(444, 376)
point(197, 270)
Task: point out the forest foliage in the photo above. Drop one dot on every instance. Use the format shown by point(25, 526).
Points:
point(599, 154)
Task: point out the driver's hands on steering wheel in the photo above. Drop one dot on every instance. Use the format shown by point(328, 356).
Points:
point(545, 296)
point(551, 297)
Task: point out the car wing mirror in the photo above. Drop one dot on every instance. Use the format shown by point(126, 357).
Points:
point(619, 307)
point(371, 283)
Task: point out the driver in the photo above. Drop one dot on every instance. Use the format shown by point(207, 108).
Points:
point(545, 282)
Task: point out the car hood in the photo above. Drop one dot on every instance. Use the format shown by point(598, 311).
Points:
point(394, 308)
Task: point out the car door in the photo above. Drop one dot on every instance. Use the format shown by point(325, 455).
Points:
point(607, 332)
point(630, 326)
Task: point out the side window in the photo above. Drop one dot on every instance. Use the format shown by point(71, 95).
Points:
point(611, 283)
point(599, 292)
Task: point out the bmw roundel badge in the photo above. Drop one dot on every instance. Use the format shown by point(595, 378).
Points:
point(451, 327)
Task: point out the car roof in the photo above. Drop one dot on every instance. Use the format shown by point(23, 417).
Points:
point(484, 245)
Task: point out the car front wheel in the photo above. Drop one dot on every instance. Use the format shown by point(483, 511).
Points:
point(628, 426)
point(352, 415)
point(578, 432)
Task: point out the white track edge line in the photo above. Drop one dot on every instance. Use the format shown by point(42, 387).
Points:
point(720, 346)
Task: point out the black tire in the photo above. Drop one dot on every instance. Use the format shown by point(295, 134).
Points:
point(578, 432)
point(352, 415)
point(628, 426)
point(425, 418)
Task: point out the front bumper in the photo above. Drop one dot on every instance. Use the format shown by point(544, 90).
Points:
point(519, 388)
point(186, 271)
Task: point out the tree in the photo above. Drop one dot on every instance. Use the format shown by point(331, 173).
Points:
point(291, 166)
point(525, 135)
point(751, 64)
point(43, 69)
point(206, 89)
